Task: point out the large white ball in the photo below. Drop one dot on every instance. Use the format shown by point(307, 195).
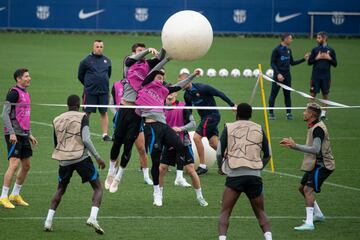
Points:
point(211, 72)
point(235, 73)
point(210, 153)
point(184, 70)
point(201, 71)
point(186, 36)
point(223, 72)
point(270, 73)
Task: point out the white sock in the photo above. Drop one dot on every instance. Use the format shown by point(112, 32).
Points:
point(94, 212)
point(179, 174)
point(222, 237)
point(317, 210)
point(5, 192)
point(112, 168)
point(309, 215)
point(146, 173)
point(161, 190)
point(119, 174)
point(268, 236)
point(104, 134)
point(157, 189)
point(16, 189)
point(202, 165)
point(198, 193)
point(50, 215)
point(323, 112)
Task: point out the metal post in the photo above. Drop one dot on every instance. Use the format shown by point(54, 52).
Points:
point(311, 26)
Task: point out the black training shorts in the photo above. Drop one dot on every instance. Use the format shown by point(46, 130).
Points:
point(208, 126)
point(90, 99)
point(315, 178)
point(22, 148)
point(85, 169)
point(251, 185)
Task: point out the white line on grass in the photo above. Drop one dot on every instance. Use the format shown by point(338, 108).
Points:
point(327, 183)
point(173, 217)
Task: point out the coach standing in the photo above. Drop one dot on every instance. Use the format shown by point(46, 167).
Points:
point(322, 58)
point(281, 59)
point(94, 73)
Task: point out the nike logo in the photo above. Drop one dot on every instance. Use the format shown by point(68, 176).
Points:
point(2, 8)
point(83, 15)
point(280, 19)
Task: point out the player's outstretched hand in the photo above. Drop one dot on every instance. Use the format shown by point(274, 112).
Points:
point(197, 72)
point(220, 172)
point(307, 55)
point(287, 142)
point(234, 108)
point(101, 163)
point(153, 51)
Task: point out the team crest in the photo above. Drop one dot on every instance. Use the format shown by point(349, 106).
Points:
point(338, 18)
point(141, 14)
point(43, 12)
point(239, 16)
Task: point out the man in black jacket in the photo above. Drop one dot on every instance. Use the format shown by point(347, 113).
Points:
point(281, 59)
point(94, 73)
point(322, 58)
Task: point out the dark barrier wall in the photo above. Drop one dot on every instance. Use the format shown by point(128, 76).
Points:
point(239, 16)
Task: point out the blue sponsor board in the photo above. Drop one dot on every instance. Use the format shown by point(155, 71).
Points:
point(237, 16)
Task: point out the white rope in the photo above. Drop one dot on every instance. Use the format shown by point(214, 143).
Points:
point(328, 102)
point(305, 95)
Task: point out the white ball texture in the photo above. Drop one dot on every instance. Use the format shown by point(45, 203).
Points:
point(184, 70)
point(186, 36)
point(235, 73)
point(223, 72)
point(247, 73)
point(256, 72)
point(210, 153)
point(270, 73)
point(211, 72)
point(201, 71)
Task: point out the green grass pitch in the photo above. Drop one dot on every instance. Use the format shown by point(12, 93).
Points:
point(128, 214)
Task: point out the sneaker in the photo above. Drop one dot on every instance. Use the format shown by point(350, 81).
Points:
point(6, 203)
point(114, 185)
point(319, 218)
point(305, 227)
point(108, 181)
point(289, 116)
point(201, 170)
point(106, 138)
point(93, 223)
point(272, 116)
point(157, 199)
point(18, 200)
point(48, 226)
point(182, 183)
point(202, 202)
point(148, 181)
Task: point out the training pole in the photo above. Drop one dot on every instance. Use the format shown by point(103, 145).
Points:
point(266, 118)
